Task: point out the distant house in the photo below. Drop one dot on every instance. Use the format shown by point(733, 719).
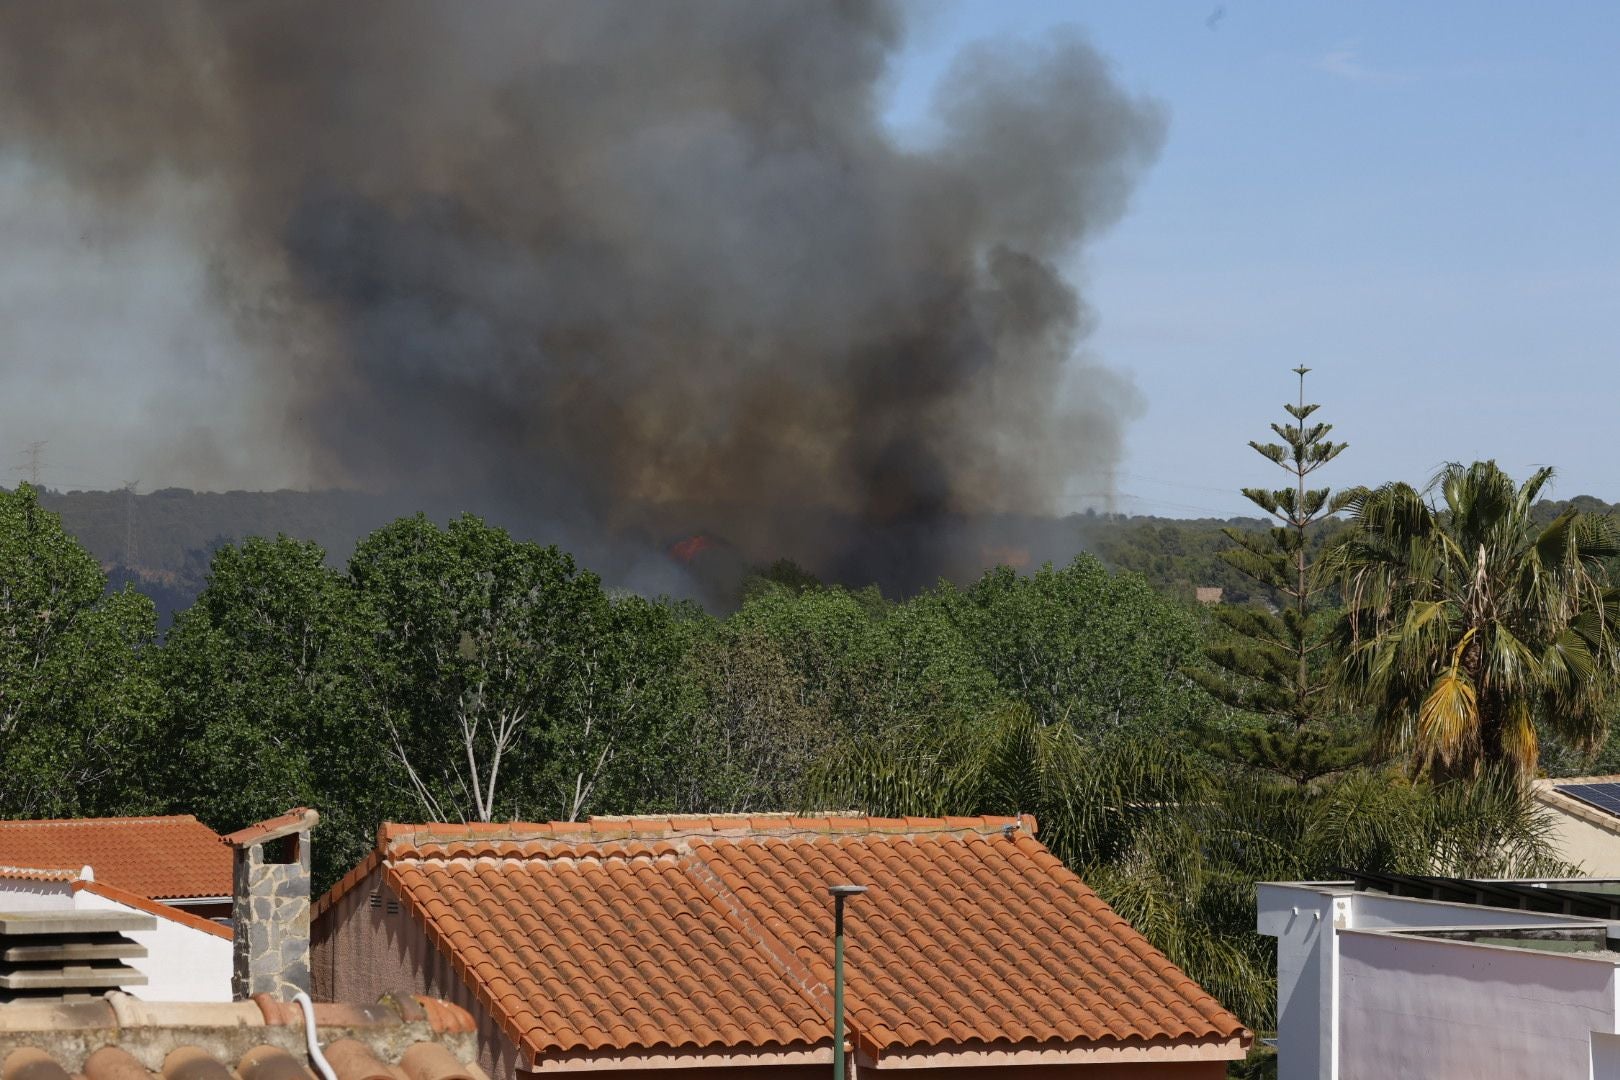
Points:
point(175, 869)
point(1584, 813)
point(186, 957)
point(1393, 976)
point(634, 945)
point(176, 860)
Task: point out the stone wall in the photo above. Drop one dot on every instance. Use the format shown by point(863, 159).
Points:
point(271, 914)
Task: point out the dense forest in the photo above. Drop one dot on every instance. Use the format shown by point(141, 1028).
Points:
point(1388, 667)
point(161, 542)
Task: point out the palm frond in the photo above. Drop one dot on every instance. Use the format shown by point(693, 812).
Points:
point(1467, 624)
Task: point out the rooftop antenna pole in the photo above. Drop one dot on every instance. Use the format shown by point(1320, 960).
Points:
point(840, 893)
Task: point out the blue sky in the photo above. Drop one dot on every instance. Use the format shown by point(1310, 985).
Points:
point(1418, 201)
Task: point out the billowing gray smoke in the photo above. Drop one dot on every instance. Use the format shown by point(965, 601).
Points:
point(612, 272)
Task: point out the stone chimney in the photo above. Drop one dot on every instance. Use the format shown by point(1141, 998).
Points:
point(270, 909)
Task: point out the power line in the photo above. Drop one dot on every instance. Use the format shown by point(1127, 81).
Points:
point(1214, 511)
point(1174, 483)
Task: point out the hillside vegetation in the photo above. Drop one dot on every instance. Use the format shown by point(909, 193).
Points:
point(161, 542)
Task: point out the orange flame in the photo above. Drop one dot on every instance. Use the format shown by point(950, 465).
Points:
point(690, 548)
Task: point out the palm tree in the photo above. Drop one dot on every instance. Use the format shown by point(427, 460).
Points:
point(1175, 841)
point(1469, 623)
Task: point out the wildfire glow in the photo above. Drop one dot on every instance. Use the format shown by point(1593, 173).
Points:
point(690, 548)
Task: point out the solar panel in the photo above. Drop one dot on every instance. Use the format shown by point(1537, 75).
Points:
point(1605, 797)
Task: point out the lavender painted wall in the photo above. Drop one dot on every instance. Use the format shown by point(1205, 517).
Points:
point(1412, 1006)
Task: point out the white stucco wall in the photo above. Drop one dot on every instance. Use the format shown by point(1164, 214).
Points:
point(20, 896)
point(182, 963)
point(1302, 920)
point(1312, 1042)
point(1412, 1006)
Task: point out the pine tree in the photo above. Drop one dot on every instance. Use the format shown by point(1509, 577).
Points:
point(1274, 663)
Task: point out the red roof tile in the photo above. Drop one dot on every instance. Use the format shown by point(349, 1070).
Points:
point(123, 1038)
point(647, 934)
point(40, 873)
point(165, 858)
point(298, 819)
point(153, 907)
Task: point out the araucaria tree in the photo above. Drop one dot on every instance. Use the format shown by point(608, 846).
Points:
point(1470, 624)
point(1273, 660)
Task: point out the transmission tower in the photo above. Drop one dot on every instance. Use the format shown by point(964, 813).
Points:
point(129, 523)
point(35, 453)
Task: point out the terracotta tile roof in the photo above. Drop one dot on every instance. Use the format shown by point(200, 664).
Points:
point(122, 1038)
point(165, 858)
point(699, 933)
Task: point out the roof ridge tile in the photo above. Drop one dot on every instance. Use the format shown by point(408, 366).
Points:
point(42, 873)
point(298, 819)
point(803, 979)
point(137, 819)
point(153, 907)
point(396, 837)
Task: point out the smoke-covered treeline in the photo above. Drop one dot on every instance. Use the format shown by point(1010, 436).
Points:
point(360, 688)
point(627, 271)
point(452, 672)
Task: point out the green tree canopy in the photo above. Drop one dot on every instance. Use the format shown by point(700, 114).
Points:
point(78, 704)
point(864, 664)
point(269, 703)
point(1468, 622)
point(512, 684)
point(1079, 645)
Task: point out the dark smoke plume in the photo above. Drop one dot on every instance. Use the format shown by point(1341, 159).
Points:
point(616, 272)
